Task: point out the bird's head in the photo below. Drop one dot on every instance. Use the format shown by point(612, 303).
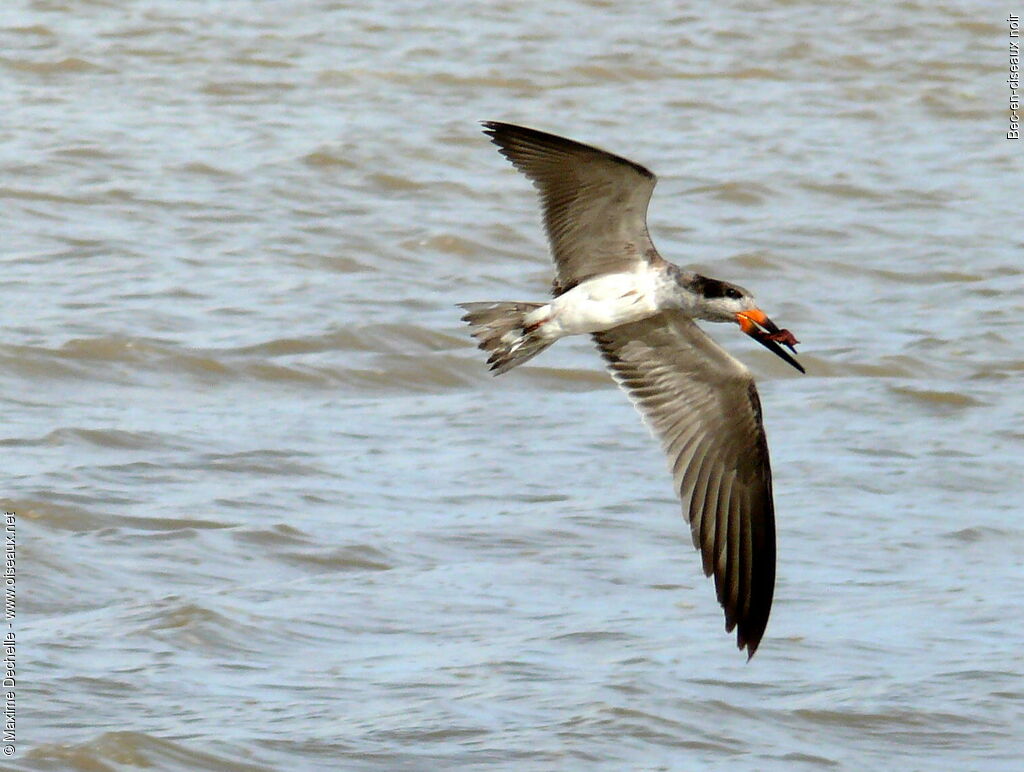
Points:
point(720, 301)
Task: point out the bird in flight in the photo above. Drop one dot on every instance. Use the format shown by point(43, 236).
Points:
point(700, 402)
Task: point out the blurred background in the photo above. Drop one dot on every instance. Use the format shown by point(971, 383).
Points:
point(273, 513)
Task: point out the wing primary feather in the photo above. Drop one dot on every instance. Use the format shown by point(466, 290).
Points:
point(684, 442)
point(698, 498)
point(721, 548)
point(732, 565)
point(746, 556)
point(707, 524)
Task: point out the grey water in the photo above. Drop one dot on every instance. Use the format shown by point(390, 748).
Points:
point(273, 513)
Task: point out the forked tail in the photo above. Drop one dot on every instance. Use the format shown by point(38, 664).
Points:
point(502, 330)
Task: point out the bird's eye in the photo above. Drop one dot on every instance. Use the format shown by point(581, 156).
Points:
point(734, 294)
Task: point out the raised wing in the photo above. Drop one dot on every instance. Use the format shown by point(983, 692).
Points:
point(701, 403)
point(595, 203)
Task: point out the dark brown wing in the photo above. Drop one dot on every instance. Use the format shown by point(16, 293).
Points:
point(701, 403)
point(595, 203)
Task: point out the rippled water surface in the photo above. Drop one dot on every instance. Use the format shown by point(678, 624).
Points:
point(272, 512)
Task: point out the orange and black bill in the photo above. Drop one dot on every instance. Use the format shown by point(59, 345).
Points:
point(762, 329)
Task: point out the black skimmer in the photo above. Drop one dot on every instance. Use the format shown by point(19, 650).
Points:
point(640, 309)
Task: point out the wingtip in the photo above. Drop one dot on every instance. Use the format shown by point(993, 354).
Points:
point(746, 637)
point(751, 648)
point(493, 130)
point(500, 133)
point(492, 127)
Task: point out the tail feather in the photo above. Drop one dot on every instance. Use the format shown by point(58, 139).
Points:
point(501, 330)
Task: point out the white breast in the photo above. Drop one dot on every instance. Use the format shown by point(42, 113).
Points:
point(602, 303)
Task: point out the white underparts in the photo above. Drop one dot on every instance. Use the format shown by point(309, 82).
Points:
point(598, 304)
